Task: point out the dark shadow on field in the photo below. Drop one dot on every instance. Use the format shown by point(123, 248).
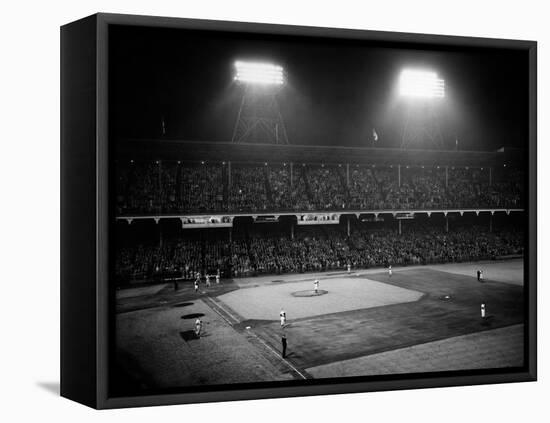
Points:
point(51, 387)
point(192, 315)
point(188, 335)
point(168, 297)
point(488, 322)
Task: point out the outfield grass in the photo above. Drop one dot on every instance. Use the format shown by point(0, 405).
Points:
point(497, 348)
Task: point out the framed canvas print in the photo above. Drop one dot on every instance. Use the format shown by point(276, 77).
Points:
point(257, 211)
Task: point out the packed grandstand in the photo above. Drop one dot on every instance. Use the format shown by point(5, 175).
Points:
point(171, 187)
point(388, 207)
point(312, 249)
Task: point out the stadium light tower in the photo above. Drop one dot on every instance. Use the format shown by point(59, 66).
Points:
point(259, 119)
point(422, 90)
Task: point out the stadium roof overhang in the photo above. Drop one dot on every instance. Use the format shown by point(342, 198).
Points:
point(162, 149)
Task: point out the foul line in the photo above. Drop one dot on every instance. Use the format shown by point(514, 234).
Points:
point(277, 355)
point(222, 316)
point(213, 306)
point(224, 310)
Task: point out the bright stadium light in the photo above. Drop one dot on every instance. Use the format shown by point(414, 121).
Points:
point(423, 84)
point(259, 73)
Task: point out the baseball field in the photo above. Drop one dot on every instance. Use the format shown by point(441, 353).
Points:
point(366, 322)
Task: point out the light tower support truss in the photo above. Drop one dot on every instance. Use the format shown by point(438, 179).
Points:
point(259, 119)
point(421, 128)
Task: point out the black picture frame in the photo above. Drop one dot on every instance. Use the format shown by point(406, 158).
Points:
point(85, 223)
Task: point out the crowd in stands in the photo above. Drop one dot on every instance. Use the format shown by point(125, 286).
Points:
point(180, 258)
point(248, 191)
point(364, 189)
point(170, 187)
point(138, 187)
point(279, 183)
point(429, 245)
point(315, 248)
point(327, 187)
point(420, 188)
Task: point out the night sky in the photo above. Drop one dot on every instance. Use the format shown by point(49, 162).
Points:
point(336, 92)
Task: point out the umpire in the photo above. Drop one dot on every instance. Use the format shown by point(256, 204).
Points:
point(283, 341)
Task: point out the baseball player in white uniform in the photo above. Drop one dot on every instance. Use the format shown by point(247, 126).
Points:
point(282, 315)
point(198, 327)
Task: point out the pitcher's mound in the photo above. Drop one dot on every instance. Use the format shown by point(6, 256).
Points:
point(309, 293)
